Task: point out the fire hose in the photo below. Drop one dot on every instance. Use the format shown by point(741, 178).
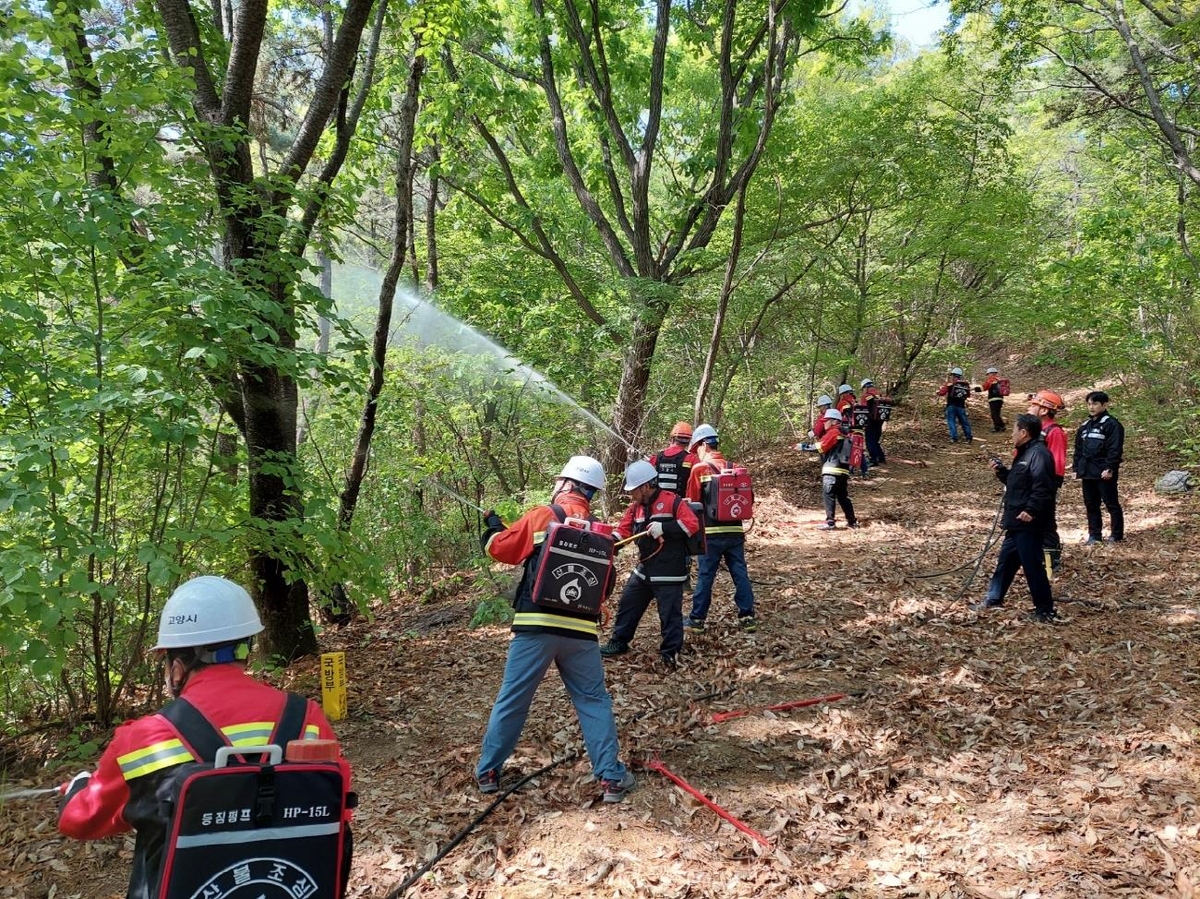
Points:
point(462, 835)
point(656, 765)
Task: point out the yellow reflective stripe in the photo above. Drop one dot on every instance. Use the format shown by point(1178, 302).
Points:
point(153, 758)
point(724, 529)
point(251, 733)
point(541, 619)
point(312, 732)
point(834, 468)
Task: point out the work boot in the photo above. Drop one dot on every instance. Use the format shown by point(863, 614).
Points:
point(488, 781)
point(853, 524)
point(1091, 541)
point(669, 661)
point(616, 790)
point(1043, 617)
point(748, 623)
point(1111, 539)
point(827, 526)
point(695, 624)
point(614, 648)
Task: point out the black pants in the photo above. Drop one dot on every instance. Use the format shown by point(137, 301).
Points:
point(635, 599)
point(836, 490)
point(1022, 549)
point(1096, 491)
point(997, 406)
point(874, 435)
point(1050, 538)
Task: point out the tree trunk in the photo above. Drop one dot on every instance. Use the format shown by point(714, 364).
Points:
point(635, 377)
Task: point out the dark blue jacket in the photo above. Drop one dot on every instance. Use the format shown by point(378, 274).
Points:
point(1029, 487)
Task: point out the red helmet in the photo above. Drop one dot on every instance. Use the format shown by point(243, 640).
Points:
point(1048, 400)
point(682, 429)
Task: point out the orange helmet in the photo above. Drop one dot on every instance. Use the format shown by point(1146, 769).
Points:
point(682, 429)
point(1048, 400)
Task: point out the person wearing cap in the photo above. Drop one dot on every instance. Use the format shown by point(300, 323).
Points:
point(674, 463)
point(1099, 449)
point(204, 638)
point(824, 404)
point(1046, 404)
point(835, 471)
point(545, 635)
point(874, 430)
point(722, 540)
point(992, 387)
point(665, 522)
point(956, 390)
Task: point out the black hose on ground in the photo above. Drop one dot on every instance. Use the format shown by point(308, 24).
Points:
point(462, 835)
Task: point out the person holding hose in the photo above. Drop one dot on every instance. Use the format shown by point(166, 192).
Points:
point(545, 635)
point(835, 471)
point(665, 522)
point(204, 638)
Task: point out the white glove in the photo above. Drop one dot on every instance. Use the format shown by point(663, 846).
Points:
point(655, 529)
point(812, 433)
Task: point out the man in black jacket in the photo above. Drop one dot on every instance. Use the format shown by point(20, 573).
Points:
point(1028, 505)
point(1099, 446)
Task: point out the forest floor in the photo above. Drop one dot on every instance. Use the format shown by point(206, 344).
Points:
point(976, 755)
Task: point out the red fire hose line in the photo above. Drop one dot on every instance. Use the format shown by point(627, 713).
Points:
point(656, 765)
point(718, 717)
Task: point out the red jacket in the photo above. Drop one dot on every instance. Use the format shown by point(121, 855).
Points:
point(516, 544)
point(845, 403)
point(143, 751)
point(1056, 442)
point(668, 563)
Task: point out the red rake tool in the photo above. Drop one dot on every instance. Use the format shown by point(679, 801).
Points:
point(718, 717)
point(657, 765)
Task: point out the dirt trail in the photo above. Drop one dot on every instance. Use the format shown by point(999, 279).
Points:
point(978, 755)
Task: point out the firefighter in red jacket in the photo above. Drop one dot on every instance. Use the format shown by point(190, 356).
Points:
point(674, 462)
point(204, 638)
point(835, 449)
point(666, 522)
point(546, 635)
point(1046, 404)
point(845, 405)
point(871, 398)
point(722, 540)
point(991, 386)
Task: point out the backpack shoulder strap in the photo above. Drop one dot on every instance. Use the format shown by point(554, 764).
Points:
point(291, 725)
point(559, 512)
point(197, 730)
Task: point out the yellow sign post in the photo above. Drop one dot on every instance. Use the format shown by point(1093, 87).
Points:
point(333, 685)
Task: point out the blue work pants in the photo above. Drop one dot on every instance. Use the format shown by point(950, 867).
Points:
point(582, 671)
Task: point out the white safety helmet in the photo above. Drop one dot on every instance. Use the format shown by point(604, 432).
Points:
point(824, 400)
point(639, 473)
point(866, 382)
point(833, 415)
point(992, 370)
point(702, 433)
point(845, 388)
point(585, 470)
point(957, 372)
point(207, 611)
